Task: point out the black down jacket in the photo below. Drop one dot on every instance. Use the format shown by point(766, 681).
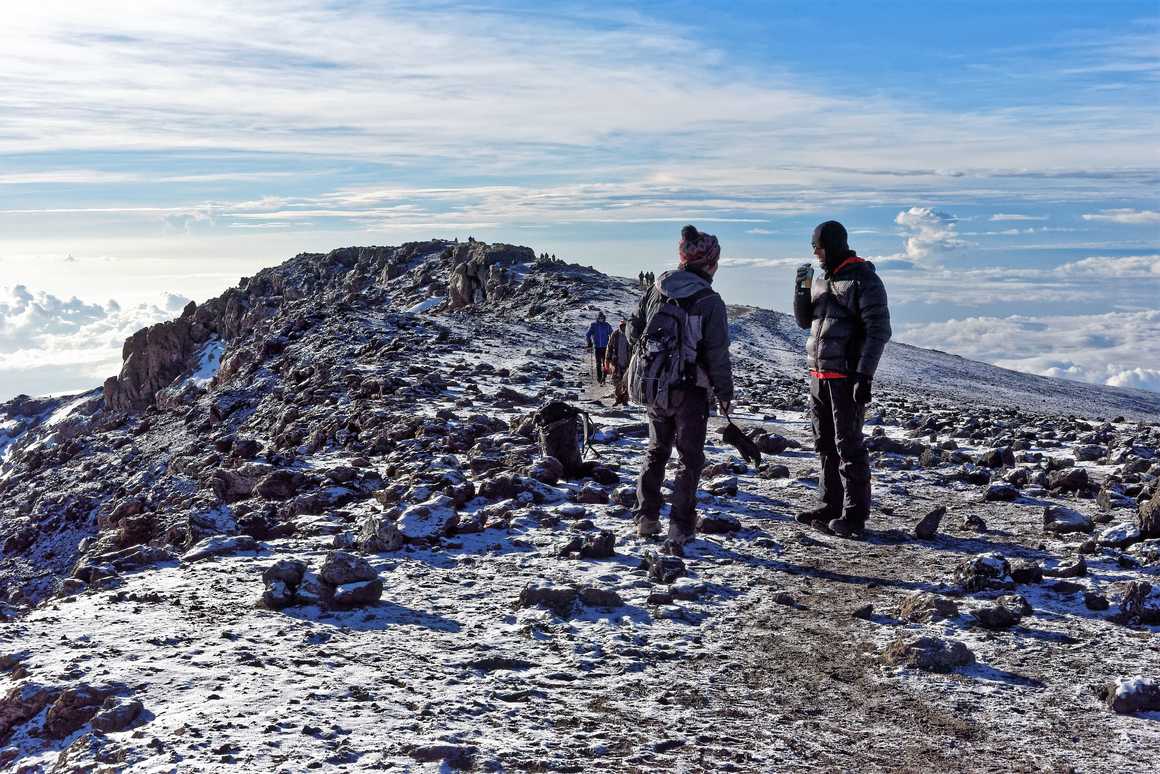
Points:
point(848, 319)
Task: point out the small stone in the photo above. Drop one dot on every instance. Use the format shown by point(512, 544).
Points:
point(358, 593)
point(1074, 569)
point(1001, 493)
point(974, 523)
point(597, 597)
point(559, 599)
point(927, 528)
point(864, 612)
point(1093, 600)
point(687, 589)
point(1026, 571)
point(719, 523)
point(662, 568)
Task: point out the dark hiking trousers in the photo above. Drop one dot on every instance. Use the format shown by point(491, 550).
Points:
point(844, 484)
point(599, 355)
point(683, 424)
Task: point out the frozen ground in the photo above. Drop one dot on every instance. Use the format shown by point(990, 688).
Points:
point(753, 661)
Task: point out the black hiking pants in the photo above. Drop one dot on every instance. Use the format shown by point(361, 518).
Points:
point(844, 484)
point(598, 353)
point(683, 424)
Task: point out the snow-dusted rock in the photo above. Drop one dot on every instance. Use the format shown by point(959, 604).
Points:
point(428, 520)
point(379, 533)
point(1134, 694)
point(1120, 535)
point(985, 571)
point(931, 654)
point(1061, 520)
point(220, 545)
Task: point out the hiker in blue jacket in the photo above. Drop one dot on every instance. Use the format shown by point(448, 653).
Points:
point(598, 333)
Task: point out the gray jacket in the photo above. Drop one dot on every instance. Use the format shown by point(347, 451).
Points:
point(714, 368)
point(848, 319)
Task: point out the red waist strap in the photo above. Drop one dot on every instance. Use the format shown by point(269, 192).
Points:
point(827, 375)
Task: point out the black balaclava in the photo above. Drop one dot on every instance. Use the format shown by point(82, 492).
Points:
point(831, 236)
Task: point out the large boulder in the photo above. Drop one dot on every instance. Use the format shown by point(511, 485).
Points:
point(930, 654)
point(924, 607)
point(341, 568)
point(1061, 521)
point(1148, 518)
point(1068, 480)
point(73, 708)
point(22, 702)
point(379, 533)
point(984, 572)
point(429, 520)
point(1134, 694)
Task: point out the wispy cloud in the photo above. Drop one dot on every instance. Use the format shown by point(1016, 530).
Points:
point(1124, 215)
point(1001, 217)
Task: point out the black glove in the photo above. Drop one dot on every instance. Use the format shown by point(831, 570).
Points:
point(862, 388)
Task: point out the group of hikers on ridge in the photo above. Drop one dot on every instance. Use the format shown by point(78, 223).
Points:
point(645, 278)
point(672, 356)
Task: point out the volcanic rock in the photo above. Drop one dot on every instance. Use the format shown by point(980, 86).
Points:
point(930, 654)
point(1061, 520)
point(927, 527)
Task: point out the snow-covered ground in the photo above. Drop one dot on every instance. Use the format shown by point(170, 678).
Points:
point(763, 655)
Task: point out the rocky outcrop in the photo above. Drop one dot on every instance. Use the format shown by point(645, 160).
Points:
point(480, 271)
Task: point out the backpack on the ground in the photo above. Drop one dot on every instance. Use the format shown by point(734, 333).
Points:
point(665, 356)
point(565, 432)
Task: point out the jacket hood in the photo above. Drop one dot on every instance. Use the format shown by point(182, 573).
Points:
point(679, 283)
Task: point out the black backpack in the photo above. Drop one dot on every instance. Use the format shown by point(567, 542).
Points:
point(665, 356)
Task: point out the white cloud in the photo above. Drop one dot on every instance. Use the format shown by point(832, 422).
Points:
point(1001, 217)
point(929, 232)
point(1116, 266)
point(760, 231)
point(1125, 216)
point(1117, 349)
point(48, 343)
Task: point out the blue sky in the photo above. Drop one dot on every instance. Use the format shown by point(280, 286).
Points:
point(1000, 162)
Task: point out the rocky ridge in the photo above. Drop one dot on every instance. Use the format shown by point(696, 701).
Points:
point(328, 477)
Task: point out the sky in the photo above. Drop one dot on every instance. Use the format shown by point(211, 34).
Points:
point(999, 162)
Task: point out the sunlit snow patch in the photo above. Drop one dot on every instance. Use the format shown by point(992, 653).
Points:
point(209, 360)
point(425, 305)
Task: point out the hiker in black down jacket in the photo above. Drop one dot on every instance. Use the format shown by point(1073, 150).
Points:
point(849, 321)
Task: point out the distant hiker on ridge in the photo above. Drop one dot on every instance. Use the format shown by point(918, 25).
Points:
point(680, 339)
point(616, 359)
point(598, 333)
point(849, 324)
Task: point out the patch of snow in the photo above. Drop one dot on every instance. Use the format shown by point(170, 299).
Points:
point(209, 360)
point(425, 305)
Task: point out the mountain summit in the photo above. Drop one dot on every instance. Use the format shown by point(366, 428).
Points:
point(308, 525)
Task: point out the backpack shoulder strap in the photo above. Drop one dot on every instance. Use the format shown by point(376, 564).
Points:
point(688, 302)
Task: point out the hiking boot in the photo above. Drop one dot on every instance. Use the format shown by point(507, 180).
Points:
point(678, 534)
point(848, 528)
point(673, 548)
point(819, 516)
point(648, 526)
